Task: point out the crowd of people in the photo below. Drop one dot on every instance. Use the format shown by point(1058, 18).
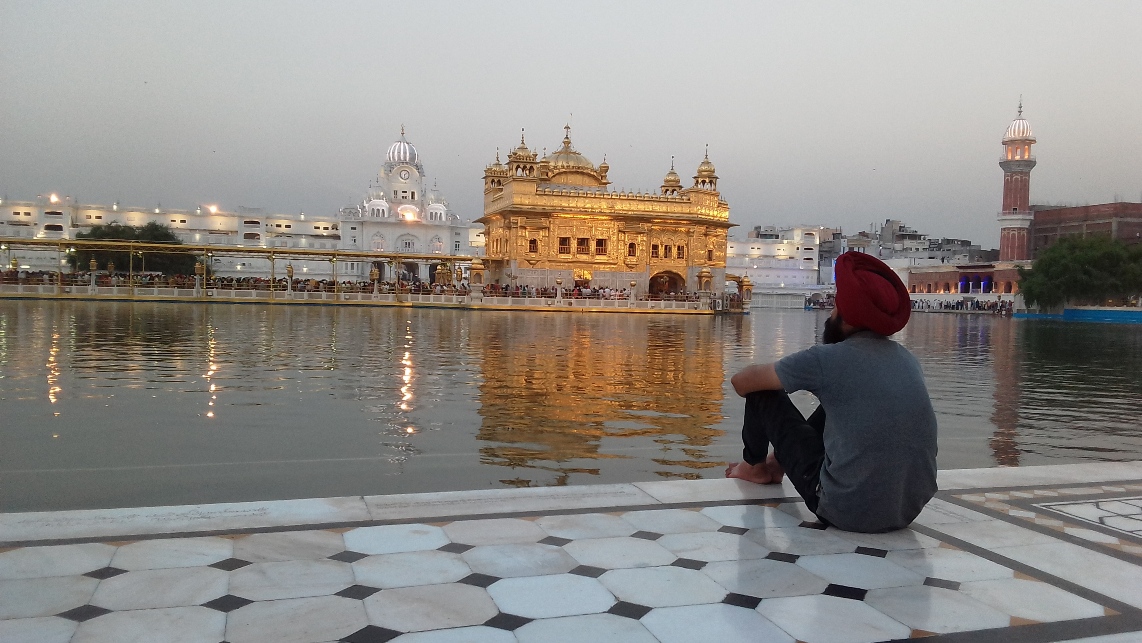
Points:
point(158, 280)
point(1001, 307)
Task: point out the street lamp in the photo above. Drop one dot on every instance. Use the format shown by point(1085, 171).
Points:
point(374, 275)
point(289, 278)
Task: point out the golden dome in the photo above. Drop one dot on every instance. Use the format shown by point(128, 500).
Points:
point(672, 178)
point(567, 157)
point(706, 168)
point(522, 145)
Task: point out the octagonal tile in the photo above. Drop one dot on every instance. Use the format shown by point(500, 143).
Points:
point(430, 607)
point(164, 553)
point(28, 597)
point(410, 568)
point(494, 531)
point(56, 560)
point(290, 579)
point(580, 526)
point(392, 539)
point(296, 620)
point(156, 588)
point(551, 596)
point(169, 625)
point(526, 559)
point(618, 553)
point(289, 545)
point(765, 578)
point(662, 586)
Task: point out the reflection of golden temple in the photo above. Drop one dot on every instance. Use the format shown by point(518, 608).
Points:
point(601, 384)
point(555, 217)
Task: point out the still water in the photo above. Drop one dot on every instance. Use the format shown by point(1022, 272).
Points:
point(106, 404)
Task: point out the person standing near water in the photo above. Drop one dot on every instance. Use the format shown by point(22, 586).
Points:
point(865, 460)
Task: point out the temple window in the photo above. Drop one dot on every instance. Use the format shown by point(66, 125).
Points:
point(533, 245)
point(414, 195)
point(681, 252)
point(632, 249)
point(564, 245)
point(583, 246)
point(666, 251)
point(710, 254)
point(600, 246)
point(654, 251)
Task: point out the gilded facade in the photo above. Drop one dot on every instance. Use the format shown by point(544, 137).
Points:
point(556, 218)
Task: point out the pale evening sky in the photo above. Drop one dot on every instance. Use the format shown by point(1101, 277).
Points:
point(836, 114)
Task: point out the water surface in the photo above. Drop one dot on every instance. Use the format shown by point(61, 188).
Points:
point(123, 404)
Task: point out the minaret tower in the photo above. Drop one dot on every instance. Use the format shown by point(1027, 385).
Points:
point(1015, 217)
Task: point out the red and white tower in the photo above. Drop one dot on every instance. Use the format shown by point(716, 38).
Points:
point(1015, 217)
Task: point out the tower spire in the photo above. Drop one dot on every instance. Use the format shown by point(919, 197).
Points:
point(1020, 115)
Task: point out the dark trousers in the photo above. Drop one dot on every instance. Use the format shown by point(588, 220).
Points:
point(798, 444)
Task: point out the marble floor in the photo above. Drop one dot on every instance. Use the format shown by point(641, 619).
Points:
point(1024, 555)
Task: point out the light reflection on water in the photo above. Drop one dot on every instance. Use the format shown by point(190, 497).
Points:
point(119, 404)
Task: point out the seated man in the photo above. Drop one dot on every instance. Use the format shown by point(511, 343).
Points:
point(866, 459)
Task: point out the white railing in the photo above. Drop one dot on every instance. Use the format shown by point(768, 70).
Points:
point(365, 297)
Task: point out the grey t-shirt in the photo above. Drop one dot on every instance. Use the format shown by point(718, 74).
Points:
point(880, 430)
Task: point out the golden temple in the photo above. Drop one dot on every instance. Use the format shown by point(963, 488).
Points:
point(553, 220)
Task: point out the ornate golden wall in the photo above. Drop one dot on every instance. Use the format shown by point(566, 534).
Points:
point(531, 205)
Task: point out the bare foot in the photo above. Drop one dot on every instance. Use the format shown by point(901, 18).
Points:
point(758, 473)
point(776, 473)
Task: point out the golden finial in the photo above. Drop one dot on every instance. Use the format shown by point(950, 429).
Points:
point(402, 129)
point(671, 162)
point(1020, 115)
point(497, 155)
point(521, 143)
point(707, 151)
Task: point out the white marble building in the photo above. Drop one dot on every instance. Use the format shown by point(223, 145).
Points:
point(397, 215)
point(776, 257)
point(400, 214)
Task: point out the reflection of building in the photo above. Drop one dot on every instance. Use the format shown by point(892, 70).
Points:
point(1006, 360)
point(399, 214)
point(594, 386)
point(554, 217)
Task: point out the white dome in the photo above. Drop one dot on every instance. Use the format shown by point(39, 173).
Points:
point(402, 151)
point(1018, 130)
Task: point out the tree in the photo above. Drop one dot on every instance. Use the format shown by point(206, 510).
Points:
point(1083, 270)
point(164, 262)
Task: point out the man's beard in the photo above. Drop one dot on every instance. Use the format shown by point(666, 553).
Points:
point(833, 332)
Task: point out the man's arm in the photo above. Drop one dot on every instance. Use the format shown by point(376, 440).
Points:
point(758, 377)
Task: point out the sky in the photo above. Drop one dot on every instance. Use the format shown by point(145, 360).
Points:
point(837, 114)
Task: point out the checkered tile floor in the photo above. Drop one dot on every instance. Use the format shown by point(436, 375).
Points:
point(748, 570)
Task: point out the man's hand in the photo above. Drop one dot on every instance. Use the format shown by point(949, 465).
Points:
point(758, 377)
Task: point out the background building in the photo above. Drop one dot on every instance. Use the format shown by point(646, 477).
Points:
point(556, 218)
point(397, 215)
point(776, 257)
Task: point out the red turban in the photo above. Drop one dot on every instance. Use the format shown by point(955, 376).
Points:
point(870, 294)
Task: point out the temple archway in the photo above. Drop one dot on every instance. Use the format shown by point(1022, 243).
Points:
point(667, 282)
